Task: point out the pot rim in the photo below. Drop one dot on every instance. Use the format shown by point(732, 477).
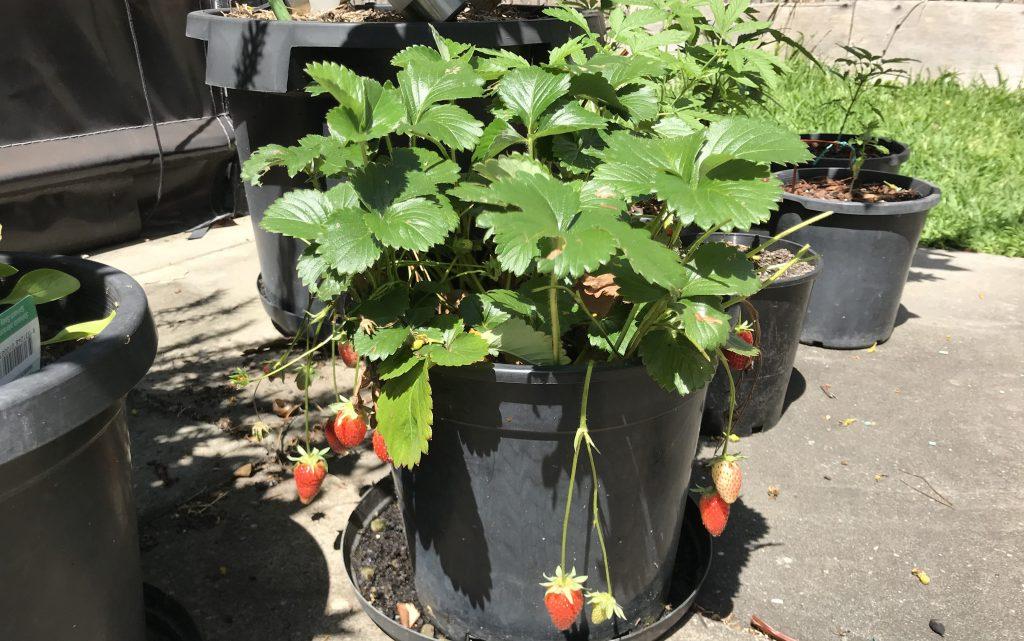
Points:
point(931, 198)
point(40, 407)
point(815, 257)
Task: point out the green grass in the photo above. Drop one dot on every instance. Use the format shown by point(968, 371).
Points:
point(969, 140)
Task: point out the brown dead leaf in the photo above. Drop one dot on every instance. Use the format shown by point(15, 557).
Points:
point(408, 614)
point(599, 292)
point(827, 388)
point(773, 492)
point(283, 408)
point(244, 471)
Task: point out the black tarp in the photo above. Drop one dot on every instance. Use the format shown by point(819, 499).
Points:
point(79, 160)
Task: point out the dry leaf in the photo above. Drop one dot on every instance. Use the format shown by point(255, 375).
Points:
point(773, 491)
point(244, 471)
point(599, 292)
point(921, 575)
point(408, 615)
point(283, 408)
point(847, 422)
point(873, 348)
point(879, 477)
point(827, 388)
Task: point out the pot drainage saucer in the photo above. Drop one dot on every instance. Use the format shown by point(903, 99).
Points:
point(693, 562)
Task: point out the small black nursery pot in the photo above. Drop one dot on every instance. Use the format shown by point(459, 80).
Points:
point(780, 309)
point(868, 248)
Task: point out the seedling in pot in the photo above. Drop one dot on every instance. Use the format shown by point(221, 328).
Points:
point(46, 285)
point(863, 75)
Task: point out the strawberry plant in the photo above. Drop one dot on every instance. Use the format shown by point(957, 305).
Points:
point(547, 234)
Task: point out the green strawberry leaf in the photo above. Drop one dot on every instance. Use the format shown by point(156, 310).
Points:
point(706, 326)
point(300, 213)
point(405, 415)
point(752, 141)
point(464, 349)
point(382, 343)
point(721, 270)
point(517, 338)
point(674, 363)
point(449, 125)
point(529, 91)
point(346, 242)
point(386, 304)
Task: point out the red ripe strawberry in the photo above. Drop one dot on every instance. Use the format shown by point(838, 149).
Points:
point(349, 426)
point(380, 448)
point(728, 477)
point(348, 353)
point(309, 472)
point(564, 597)
point(332, 437)
point(739, 362)
point(714, 512)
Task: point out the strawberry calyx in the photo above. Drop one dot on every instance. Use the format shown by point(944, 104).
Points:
point(726, 458)
point(743, 326)
point(604, 607)
point(564, 584)
point(346, 409)
point(704, 491)
point(311, 457)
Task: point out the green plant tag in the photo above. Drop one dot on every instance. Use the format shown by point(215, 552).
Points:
point(19, 340)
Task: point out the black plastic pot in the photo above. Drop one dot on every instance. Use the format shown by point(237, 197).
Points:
point(891, 162)
point(260, 64)
point(868, 248)
point(693, 562)
point(483, 510)
point(761, 390)
point(70, 563)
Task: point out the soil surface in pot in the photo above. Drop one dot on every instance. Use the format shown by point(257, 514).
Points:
point(382, 566)
point(369, 13)
point(826, 188)
point(833, 149)
point(770, 260)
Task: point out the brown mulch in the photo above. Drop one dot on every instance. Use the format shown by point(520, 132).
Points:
point(367, 13)
point(826, 188)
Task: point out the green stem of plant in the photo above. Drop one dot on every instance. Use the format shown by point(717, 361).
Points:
point(697, 243)
point(629, 321)
point(334, 368)
point(356, 399)
point(280, 10)
point(782, 270)
point(653, 313)
point(732, 401)
point(556, 335)
point(575, 459)
point(597, 517)
point(779, 236)
point(593, 321)
point(297, 358)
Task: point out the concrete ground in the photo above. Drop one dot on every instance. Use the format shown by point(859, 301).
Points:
point(842, 499)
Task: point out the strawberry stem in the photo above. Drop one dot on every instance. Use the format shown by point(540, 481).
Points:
point(575, 458)
point(732, 402)
point(556, 336)
point(597, 519)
